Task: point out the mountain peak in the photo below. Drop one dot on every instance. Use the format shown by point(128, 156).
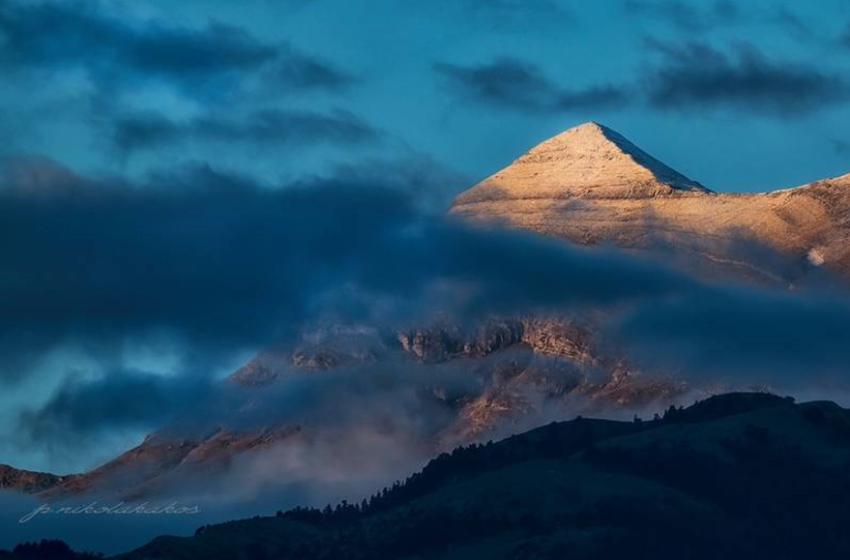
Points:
point(588, 161)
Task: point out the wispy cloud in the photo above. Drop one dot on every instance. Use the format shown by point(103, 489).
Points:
point(113, 47)
point(265, 128)
point(697, 75)
point(522, 86)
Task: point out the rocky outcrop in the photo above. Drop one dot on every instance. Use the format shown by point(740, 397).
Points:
point(444, 341)
point(558, 336)
point(320, 349)
point(29, 481)
point(555, 336)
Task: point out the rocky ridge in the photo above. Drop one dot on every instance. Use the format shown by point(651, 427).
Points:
point(29, 481)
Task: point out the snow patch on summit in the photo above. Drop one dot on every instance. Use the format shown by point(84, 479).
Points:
point(587, 161)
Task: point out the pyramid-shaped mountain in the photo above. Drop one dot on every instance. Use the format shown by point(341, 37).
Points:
point(590, 161)
point(591, 185)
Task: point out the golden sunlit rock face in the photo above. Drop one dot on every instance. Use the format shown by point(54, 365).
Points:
point(590, 185)
point(589, 161)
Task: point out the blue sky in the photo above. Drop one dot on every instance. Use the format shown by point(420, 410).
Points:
point(780, 123)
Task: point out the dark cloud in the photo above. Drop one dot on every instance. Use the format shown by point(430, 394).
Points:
point(82, 408)
point(57, 35)
point(742, 336)
point(302, 72)
point(683, 15)
point(517, 85)
point(698, 76)
point(220, 262)
point(264, 128)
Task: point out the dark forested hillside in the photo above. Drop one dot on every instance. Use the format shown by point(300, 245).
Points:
point(735, 476)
